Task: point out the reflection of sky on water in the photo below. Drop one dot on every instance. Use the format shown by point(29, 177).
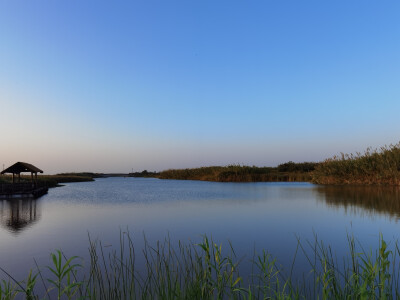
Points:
point(250, 215)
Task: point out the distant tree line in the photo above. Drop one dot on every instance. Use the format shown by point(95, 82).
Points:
point(144, 173)
point(291, 166)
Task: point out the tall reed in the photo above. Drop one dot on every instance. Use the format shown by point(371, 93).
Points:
point(374, 166)
point(238, 173)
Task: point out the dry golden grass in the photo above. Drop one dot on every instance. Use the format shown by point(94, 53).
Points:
point(373, 167)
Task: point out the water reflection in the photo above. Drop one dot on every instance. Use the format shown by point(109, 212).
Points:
point(362, 200)
point(19, 214)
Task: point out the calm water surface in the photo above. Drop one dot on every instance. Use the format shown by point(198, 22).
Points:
point(252, 216)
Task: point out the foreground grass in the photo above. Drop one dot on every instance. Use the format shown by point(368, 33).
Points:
point(373, 167)
point(205, 271)
point(236, 173)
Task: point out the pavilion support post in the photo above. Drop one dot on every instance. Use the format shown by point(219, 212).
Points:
point(13, 177)
point(32, 179)
point(19, 177)
point(36, 179)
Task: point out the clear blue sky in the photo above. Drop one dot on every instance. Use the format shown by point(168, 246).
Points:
point(108, 86)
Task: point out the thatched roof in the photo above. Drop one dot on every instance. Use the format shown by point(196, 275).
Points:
point(21, 167)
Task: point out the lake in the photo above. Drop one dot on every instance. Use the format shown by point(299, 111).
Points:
point(252, 216)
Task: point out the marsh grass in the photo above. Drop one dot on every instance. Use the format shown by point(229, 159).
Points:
point(49, 180)
point(374, 166)
point(238, 173)
point(206, 271)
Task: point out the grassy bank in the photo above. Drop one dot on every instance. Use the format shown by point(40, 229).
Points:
point(236, 173)
point(373, 167)
point(50, 180)
point(81, 174)
point(206, 271)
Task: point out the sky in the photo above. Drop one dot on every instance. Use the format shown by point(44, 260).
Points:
point(116, 86)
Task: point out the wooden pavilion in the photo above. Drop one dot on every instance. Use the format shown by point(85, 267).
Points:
point(21, 167)
point(25, 188)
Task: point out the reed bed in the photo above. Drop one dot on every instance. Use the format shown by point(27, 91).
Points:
point(238, 173)
point(206, 271)
point(373, 167)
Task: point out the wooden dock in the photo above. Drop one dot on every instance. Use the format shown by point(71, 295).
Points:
point(21, 190)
